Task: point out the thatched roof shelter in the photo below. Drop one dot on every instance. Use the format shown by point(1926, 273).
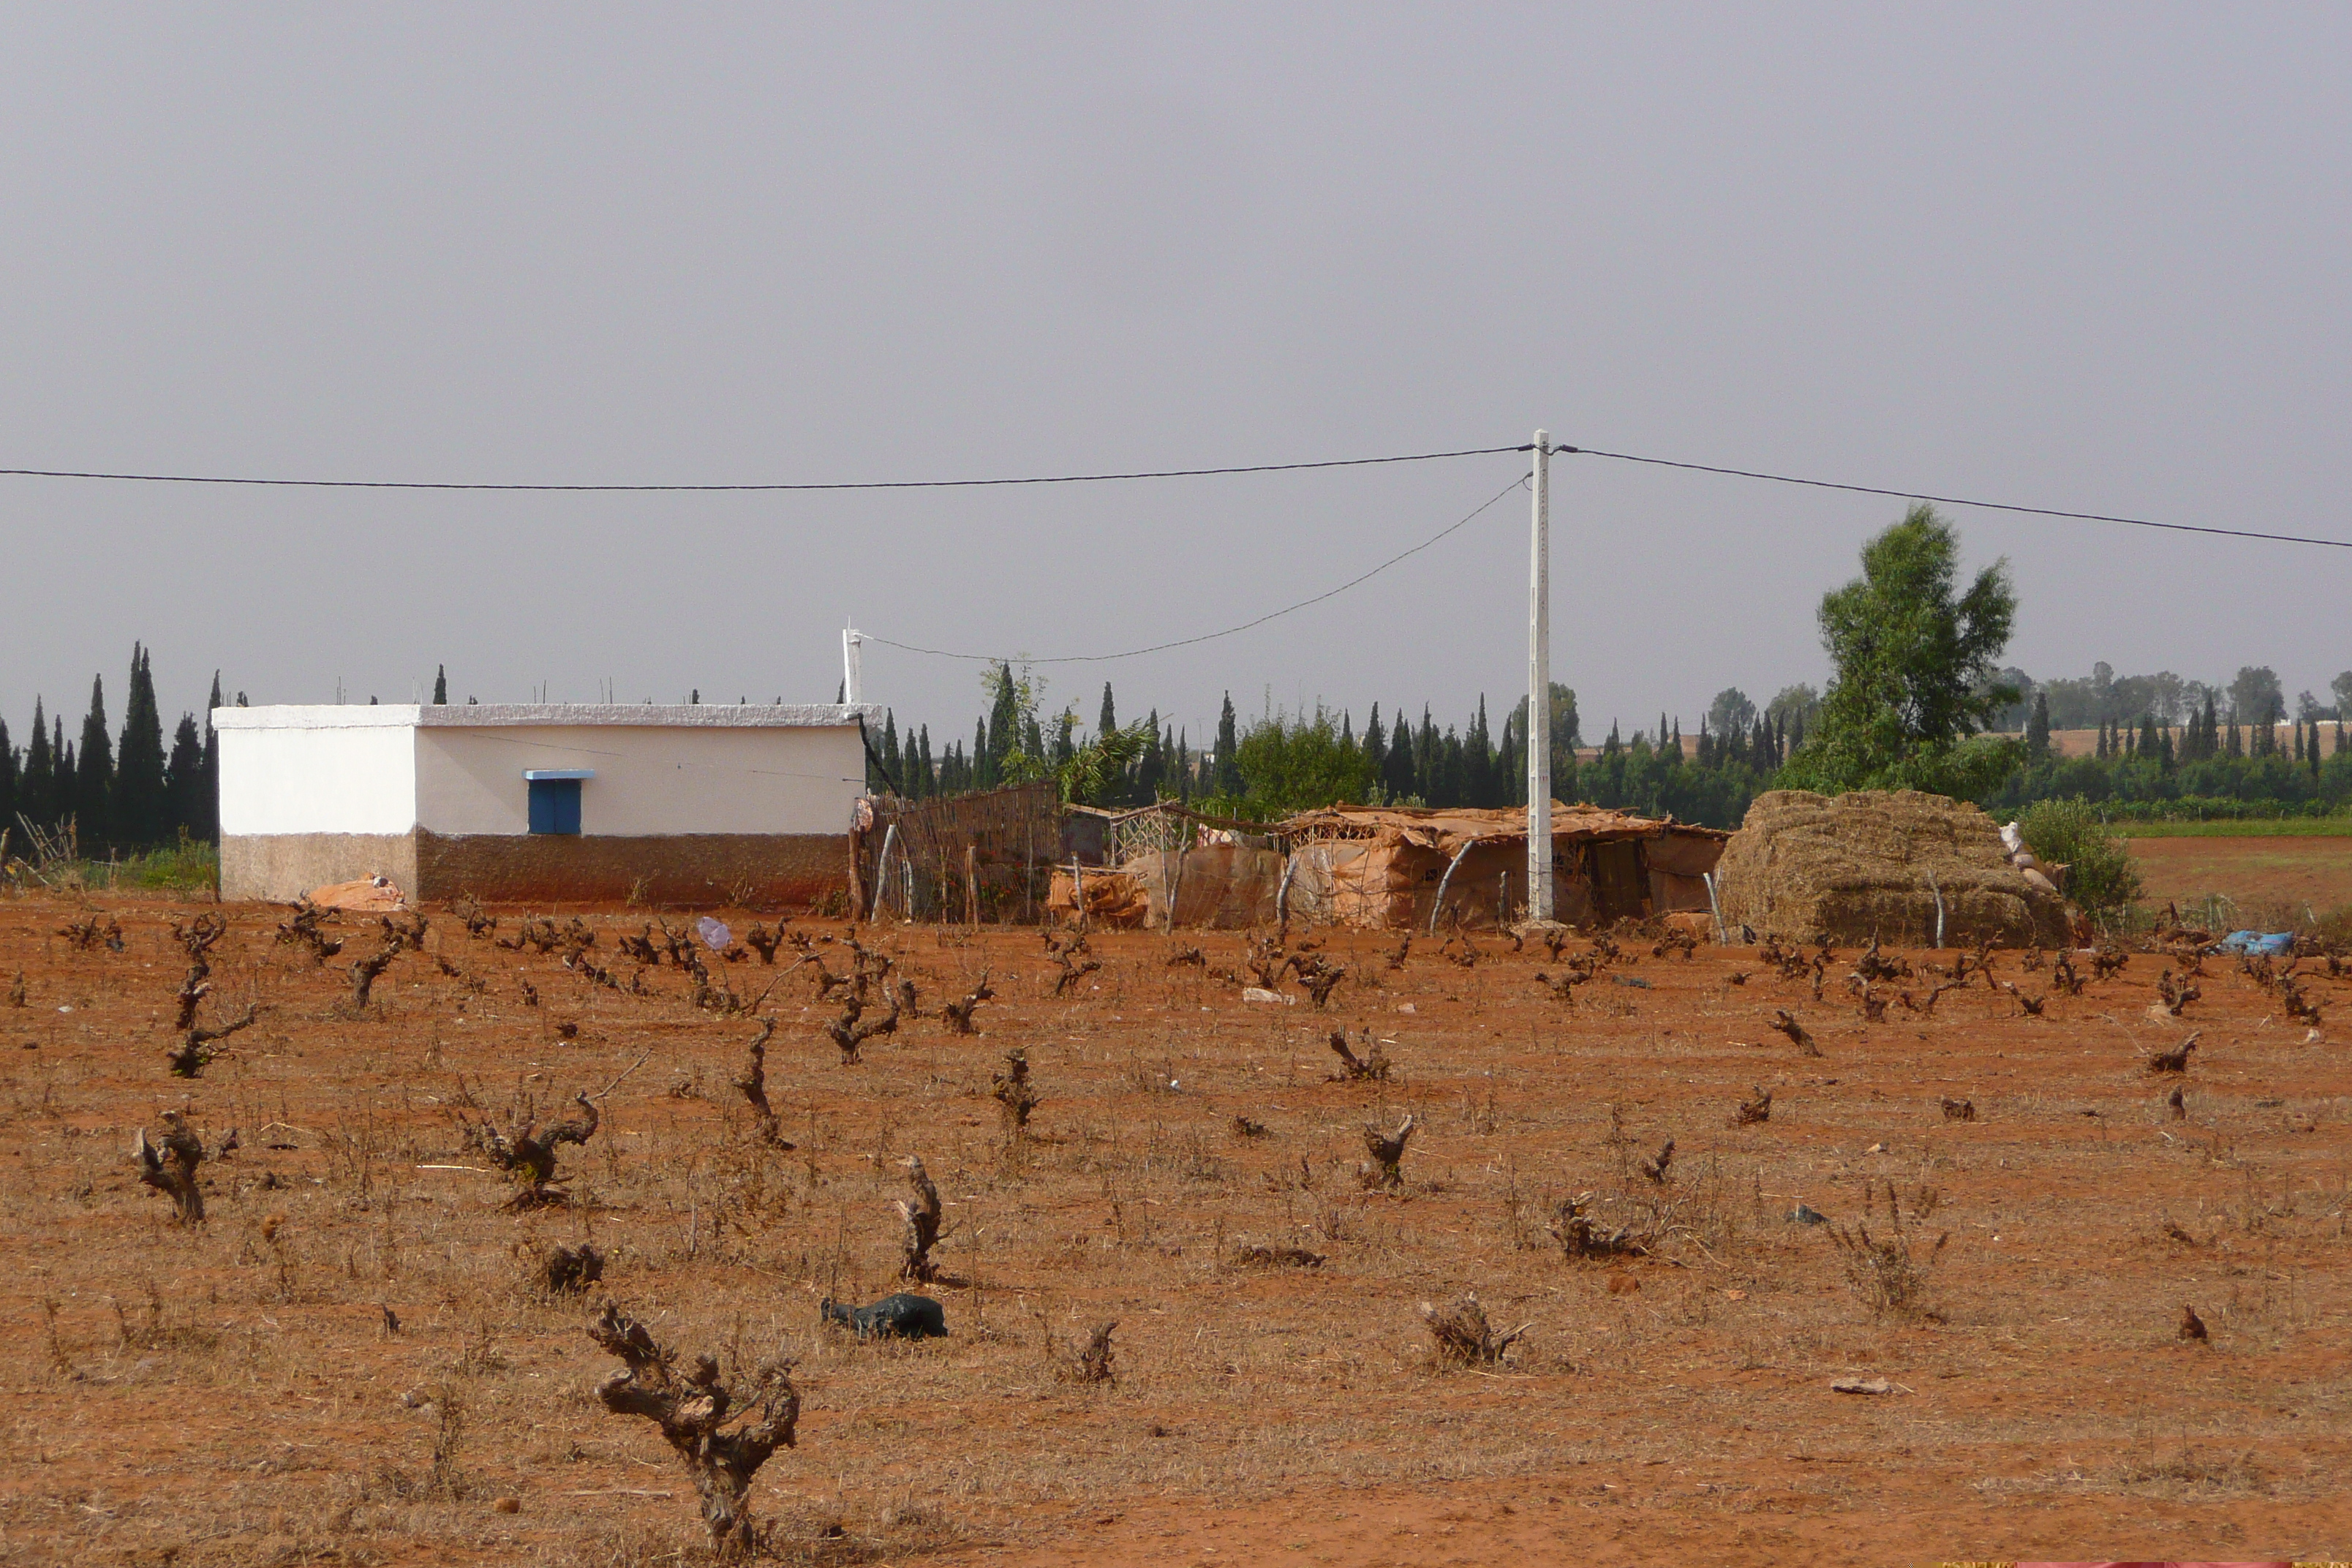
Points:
point(1407, 867)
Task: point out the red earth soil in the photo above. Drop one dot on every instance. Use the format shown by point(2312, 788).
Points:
point(236, 1393)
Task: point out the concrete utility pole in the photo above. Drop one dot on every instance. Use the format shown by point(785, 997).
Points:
point(853, 684)
point(1540, 905)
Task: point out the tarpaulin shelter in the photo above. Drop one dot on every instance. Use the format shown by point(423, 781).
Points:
point(1413, 868)
point(1211, 871)
point(1012, 855)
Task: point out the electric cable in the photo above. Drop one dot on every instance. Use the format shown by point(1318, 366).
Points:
point(1229, 631)
point(1958, 500)
point(703, 488)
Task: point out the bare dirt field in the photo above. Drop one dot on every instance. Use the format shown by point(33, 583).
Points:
point(2267, 874)
point(356, 1359)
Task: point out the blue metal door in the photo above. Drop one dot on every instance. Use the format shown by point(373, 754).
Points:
point(555, 805)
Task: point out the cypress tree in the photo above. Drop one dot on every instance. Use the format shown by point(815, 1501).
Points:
point(1065, 746)
point(926, 778)
point(1376, 742)
point(183, 782)
point(94, 773)
point(1151, 767)
point(62, 779)
point(8, 779)
point(1478, 760)
point(440, 685)
point(1508, 772)
point(37, 786)
point(1429, 762)
point(1109, 720)
point(1397, 770)
point(137, 808)
point(2313, 762)
point(206, 823)
point(1228, 782)
point(890, 762)
point(2037, 728)
point(1453, 776)
point(984, 758)
point(2149, 741)
point(1003, 722)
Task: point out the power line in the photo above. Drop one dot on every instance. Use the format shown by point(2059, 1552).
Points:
point(1229, 631)
point(1958, 500)
point(698, 488)
point(1002, 481)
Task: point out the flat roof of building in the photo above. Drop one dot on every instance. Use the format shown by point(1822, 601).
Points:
point(584, 715)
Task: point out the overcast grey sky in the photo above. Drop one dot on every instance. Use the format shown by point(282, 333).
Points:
point(2085, 257)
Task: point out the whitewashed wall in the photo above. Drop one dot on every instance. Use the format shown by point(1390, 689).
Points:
point(659, 771)
point(675, 770)
point(327, 769)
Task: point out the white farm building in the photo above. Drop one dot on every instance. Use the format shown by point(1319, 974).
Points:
point(701, 804)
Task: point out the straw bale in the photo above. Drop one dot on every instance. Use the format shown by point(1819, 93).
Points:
point(1805, 867)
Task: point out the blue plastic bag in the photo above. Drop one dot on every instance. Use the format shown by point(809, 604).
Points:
point(2267, 945)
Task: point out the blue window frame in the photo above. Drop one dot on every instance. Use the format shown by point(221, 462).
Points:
point(555, 799)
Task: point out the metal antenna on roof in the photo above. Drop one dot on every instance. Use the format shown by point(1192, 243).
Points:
point(853, 686)
point(1538, 737)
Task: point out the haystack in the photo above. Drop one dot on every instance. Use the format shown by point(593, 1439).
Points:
point(1890, 865)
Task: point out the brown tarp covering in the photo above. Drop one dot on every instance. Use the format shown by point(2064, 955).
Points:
point(1225, 887)
point(1877, 863)
point(1114, 898)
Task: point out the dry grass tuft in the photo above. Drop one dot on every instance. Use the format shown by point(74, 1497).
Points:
point(1015, 1093)
point(1888, 1271)
point(1387, 1149)
point(1463, 1337)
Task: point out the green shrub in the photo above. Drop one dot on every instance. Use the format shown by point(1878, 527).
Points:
point(2100, 875)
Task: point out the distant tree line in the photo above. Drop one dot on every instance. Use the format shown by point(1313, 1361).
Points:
point(123, 792)
point(1279, 763)
point(2104, 699)
point(2209, 765)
